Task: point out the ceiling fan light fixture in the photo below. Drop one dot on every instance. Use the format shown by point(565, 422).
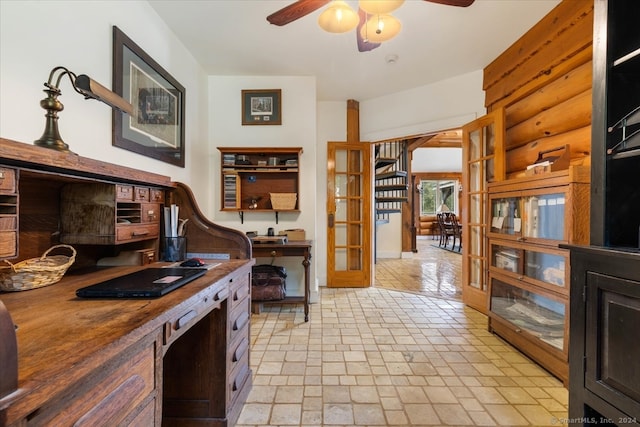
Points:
point(338, 18)
point(379, 7)
point(380, 28)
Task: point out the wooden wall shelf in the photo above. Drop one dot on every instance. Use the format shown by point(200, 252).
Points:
point(249, 174)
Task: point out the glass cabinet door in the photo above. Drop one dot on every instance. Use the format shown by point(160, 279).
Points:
point(541, 267)
point(529, 216)
point(505, 216)
point(545, 216)
point(538, 315)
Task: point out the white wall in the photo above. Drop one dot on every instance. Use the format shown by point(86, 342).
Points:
point(298, 129)
point(443, 105)
point(36, 36)
point(332, 126)
point(445, 159)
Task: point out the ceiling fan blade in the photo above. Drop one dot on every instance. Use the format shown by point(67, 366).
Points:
point(460, 3)
point(363, 45)
point(295, 11)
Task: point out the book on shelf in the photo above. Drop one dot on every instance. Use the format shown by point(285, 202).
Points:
point(532, 217)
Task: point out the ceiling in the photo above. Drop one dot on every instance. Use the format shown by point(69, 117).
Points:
point(233, 37)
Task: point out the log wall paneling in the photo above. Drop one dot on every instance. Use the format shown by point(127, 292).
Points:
point(563, 117)
point(555, 92)
point(562, 34)
point(544, 83)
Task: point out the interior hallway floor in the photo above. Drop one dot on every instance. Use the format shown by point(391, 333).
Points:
point(406, 352)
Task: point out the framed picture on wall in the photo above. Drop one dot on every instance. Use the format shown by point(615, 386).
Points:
point(157, 127)
point(261, 107)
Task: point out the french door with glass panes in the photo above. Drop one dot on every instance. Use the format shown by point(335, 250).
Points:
point(483, 162)
point(349, 215)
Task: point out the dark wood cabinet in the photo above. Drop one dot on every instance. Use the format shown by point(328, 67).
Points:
point(604, 376)
point(604, 348)
point(615, 158)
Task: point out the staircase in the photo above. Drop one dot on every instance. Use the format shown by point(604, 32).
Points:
point(391, 180)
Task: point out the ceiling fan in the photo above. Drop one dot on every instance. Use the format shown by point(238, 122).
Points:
point(365, 34)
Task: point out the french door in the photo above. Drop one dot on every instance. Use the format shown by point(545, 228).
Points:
point(483, 162)
point(349, 215)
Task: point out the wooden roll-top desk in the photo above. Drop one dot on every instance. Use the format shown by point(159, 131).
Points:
point(181, 359)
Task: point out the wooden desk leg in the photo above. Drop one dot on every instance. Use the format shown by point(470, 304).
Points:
point(307, 286)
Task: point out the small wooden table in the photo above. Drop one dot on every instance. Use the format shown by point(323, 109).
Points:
point(291, 248)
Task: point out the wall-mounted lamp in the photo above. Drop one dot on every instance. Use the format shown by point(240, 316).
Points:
point(85, 86)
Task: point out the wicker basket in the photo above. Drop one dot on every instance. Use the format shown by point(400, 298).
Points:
point(36, 272)
point(283, 201)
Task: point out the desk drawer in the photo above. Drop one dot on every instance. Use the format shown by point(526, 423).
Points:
point(124, 192)
point(8, 181)
point(156, 195)
point(238, 380)
point(150, 212)
point(106, 400)
point(126, 233)
point(239, 322)
point(239, 291)
point(8, 246)
point(182, 321)
point(141, 194)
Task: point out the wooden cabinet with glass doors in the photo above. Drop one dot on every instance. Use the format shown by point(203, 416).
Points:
point(529, 275)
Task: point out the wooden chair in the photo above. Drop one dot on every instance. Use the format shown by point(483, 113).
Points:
point(456, 230)
point(445, 231)
point(449, 228)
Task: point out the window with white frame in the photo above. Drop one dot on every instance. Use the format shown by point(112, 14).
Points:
point(438, 196)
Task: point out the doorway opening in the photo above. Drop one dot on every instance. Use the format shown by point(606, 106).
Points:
point(435, 169)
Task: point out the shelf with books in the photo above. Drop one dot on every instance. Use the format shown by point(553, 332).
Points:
point(532, 215)
point(547, 209)
point(252, 176)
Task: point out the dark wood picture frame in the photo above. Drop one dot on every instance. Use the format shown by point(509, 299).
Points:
point(262, 107)
point(157, 128)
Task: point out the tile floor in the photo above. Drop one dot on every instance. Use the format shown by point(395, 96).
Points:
point(406, 352)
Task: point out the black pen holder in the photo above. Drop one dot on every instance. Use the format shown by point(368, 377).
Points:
point(175, 249)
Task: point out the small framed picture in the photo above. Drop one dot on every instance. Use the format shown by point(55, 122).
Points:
point(261, 107)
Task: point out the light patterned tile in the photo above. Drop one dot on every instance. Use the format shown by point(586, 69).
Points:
point(255, 413)
point(338, 414)
point(286, 414)
point(393, 355)
point(452, 414)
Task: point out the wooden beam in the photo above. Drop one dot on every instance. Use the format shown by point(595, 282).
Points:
point(449, 138)
point(353, 121)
